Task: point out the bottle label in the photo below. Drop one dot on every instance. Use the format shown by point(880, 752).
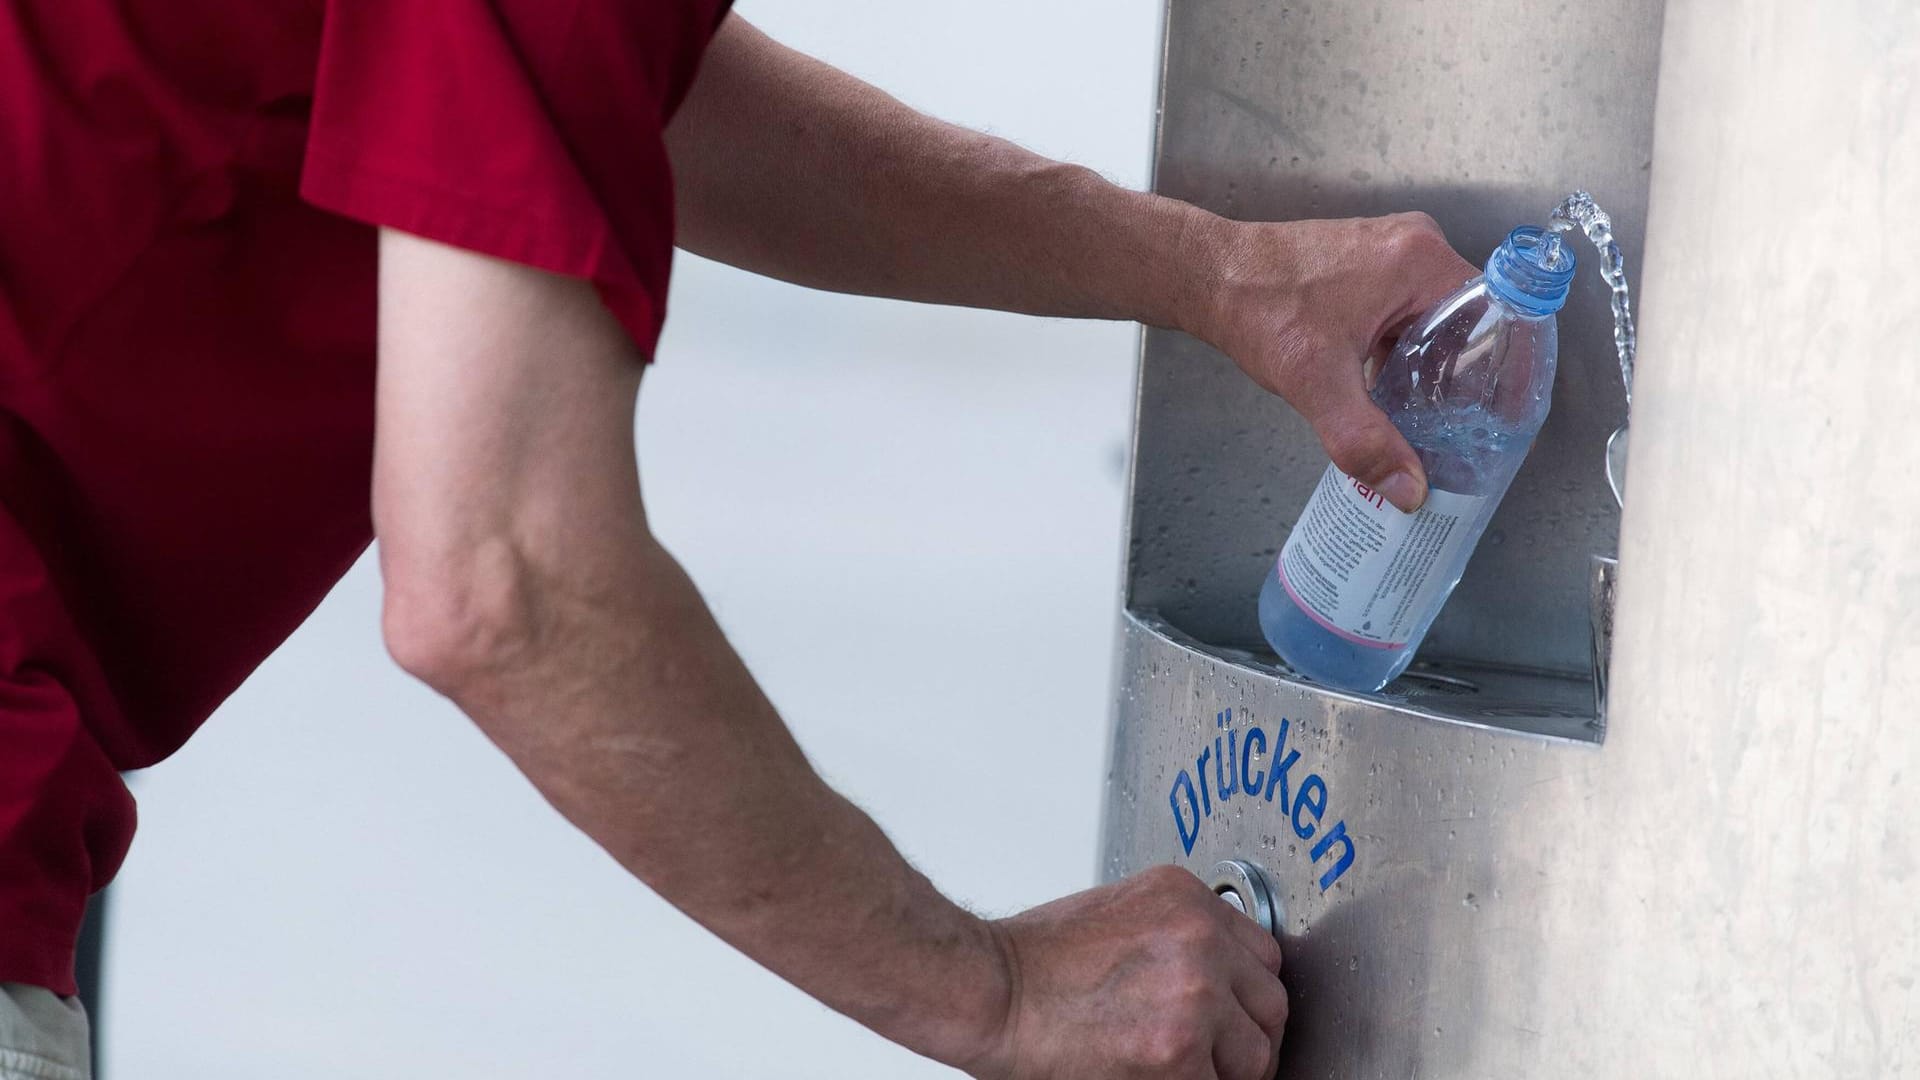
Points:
point(1369, 573)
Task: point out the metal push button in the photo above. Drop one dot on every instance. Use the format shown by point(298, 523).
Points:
point(1244, 885)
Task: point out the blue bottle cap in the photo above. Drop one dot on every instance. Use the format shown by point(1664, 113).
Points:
point(1530, 273)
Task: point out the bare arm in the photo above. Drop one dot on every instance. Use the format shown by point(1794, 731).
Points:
point(791, 168)
point(522, 581)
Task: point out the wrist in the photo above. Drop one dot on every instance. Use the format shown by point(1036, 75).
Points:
point(974, 1027)
point(1156, 260)
point(1208, 258)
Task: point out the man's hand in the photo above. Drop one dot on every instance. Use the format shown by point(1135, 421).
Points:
point(1153, 976)
point(1302, 305)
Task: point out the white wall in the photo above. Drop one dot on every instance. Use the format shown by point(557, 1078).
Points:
point(908, 521)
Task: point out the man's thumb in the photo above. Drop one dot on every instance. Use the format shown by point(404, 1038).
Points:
point(1366, 446)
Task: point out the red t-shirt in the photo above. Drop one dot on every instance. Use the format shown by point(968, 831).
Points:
point(188, 190)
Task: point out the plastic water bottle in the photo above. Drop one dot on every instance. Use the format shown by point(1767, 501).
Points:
point(1359, 582)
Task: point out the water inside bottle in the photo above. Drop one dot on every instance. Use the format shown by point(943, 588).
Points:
point(1469, 451)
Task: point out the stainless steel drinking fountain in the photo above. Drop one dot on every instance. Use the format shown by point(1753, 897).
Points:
point(1701, 857)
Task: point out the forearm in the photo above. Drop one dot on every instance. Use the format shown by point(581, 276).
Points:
point(639, 723)
point(522, 581)
point(791, 168)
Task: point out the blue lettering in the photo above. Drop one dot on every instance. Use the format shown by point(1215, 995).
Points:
point(1313, 797)
point(1238, 768)
point(1251, 778)
point(1226, 779)
point(1278, 779)
point(1189, 835)
point(1339, 833)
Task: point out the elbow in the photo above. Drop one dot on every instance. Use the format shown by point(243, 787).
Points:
point(460, 622)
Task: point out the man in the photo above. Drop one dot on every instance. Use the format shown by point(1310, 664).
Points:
point(216, 217)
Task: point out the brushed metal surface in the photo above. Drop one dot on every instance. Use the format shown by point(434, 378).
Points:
point(1726, 885)
point(1484, 115)
point(1425, 956)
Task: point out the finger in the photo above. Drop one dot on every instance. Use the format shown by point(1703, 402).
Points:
point(1243, 1051)
point(1430, 270)
point(1377, 361)
point(1430, 280)
point(1365, 444)
point(1262, 995)
point(1402, 325)
point(1252, 937)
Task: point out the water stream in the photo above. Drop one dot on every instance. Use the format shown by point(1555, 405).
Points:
point(1580, 211)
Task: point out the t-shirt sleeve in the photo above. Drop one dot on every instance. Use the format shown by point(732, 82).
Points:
point(528, 130)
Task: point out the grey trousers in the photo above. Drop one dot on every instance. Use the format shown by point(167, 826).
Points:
point(43, 1036)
